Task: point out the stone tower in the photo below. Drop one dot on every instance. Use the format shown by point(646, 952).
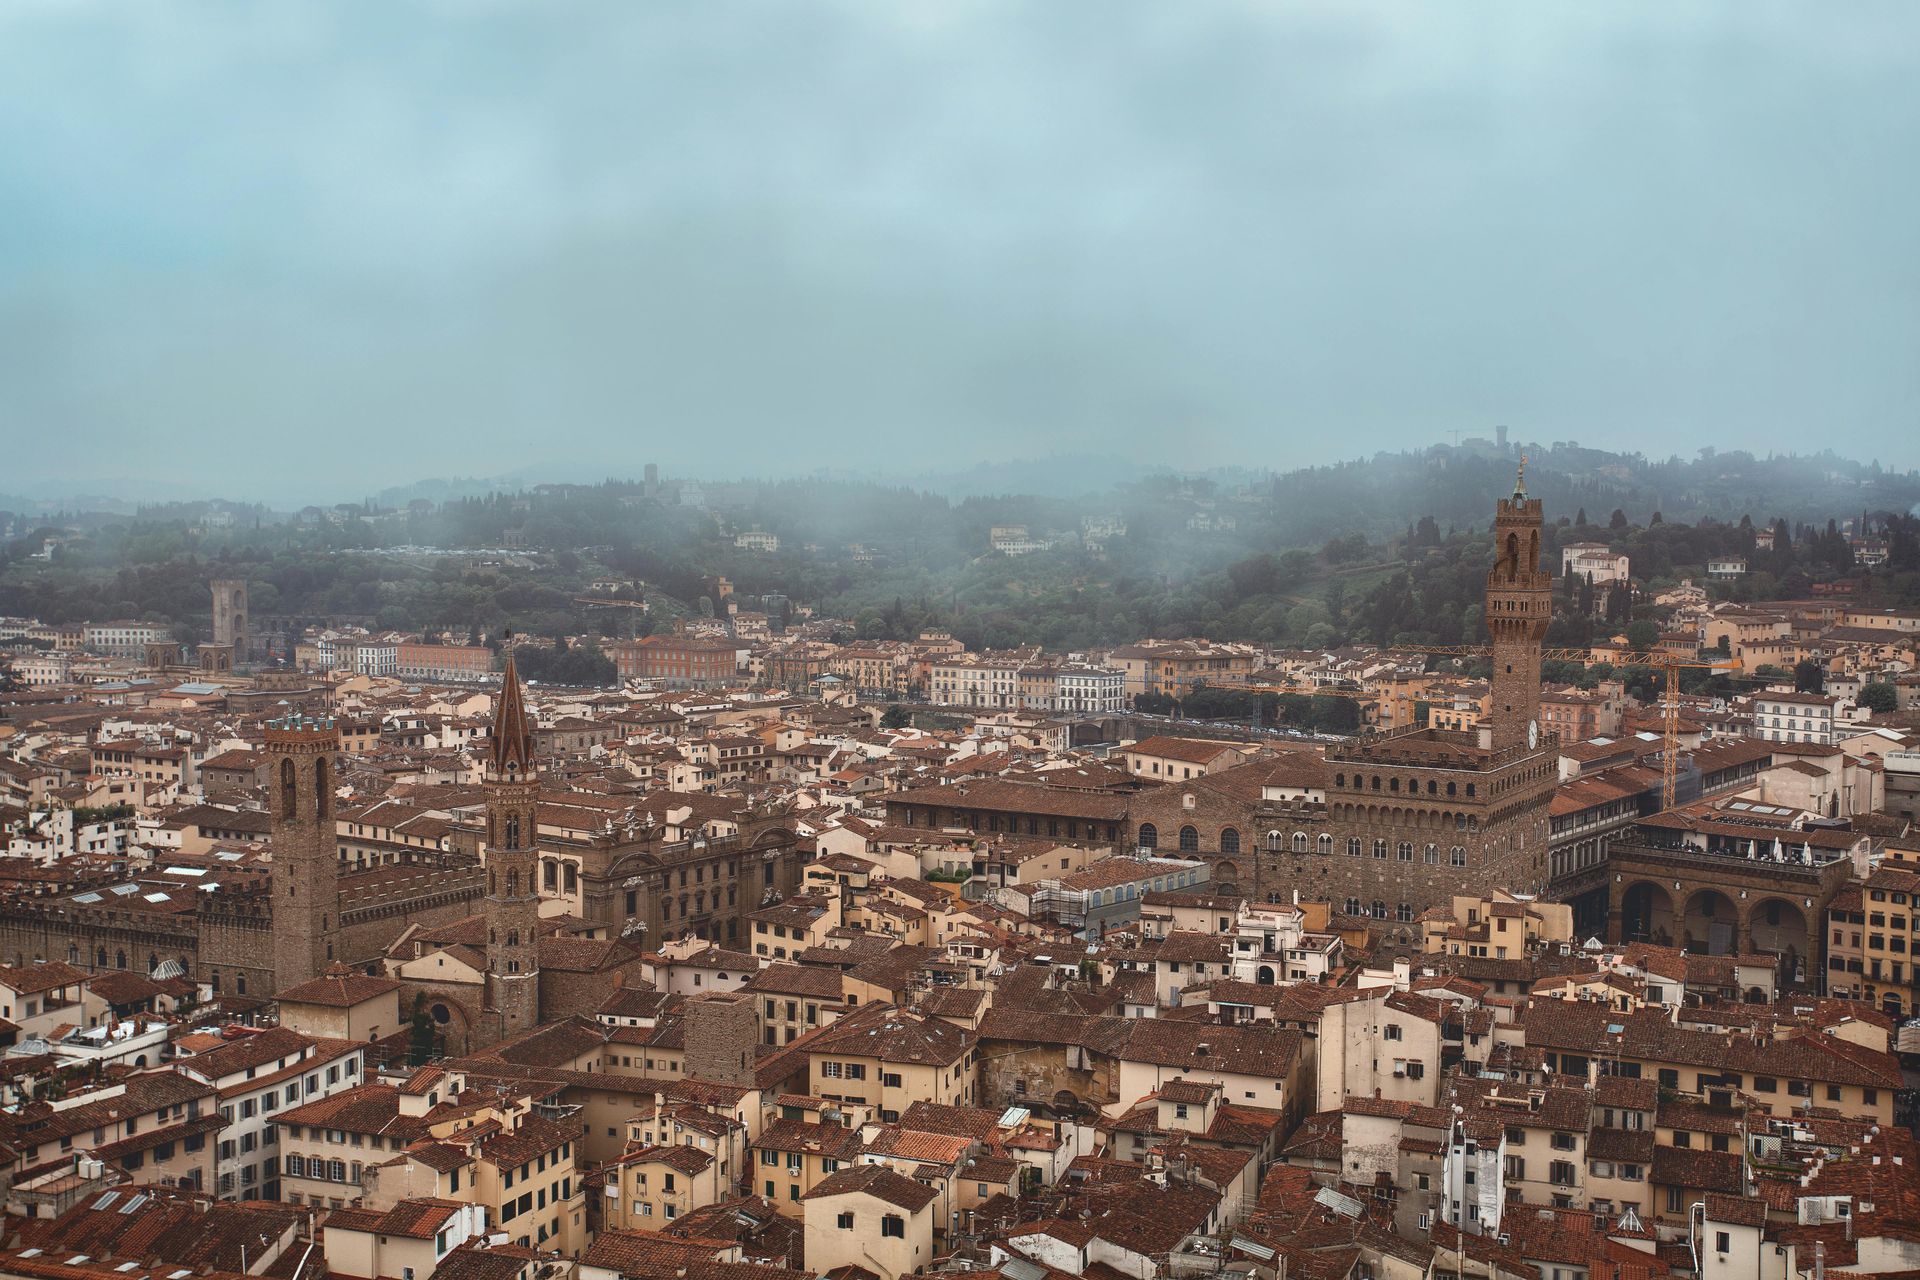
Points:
point(1519, 610)
point(306, 860)
point(720, 1035)
point(512, 903)
point(230, 615)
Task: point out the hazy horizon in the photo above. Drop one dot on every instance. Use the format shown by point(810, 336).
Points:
point(267, 253)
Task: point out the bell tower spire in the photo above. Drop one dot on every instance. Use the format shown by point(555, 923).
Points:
point(512, 902)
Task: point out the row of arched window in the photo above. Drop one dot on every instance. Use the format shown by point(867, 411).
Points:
point(1363, 783)
point(1148, 837)
point(1378, 910)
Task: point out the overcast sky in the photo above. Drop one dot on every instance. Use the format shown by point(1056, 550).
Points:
point(268, 249)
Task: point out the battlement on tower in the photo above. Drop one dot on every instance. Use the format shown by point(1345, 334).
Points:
point(298, 731)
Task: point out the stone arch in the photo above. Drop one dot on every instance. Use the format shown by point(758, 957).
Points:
point(1710, 923)
point(1189, 839)
point(1229, 840)
point(1148, 836)
point(1646, 913)
point(1778, 927)
point(1264, 976)
point(772, 836)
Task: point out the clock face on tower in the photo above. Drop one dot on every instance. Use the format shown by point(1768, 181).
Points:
point(1533, 734)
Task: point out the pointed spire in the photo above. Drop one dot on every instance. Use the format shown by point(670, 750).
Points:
point(510, 748)
point(1520, 479)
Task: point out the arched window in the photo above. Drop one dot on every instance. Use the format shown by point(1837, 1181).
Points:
point(1380, 848)
point(1433, 854)
point(1405, 913)
point(1326, 844)
point(240, 984)
point(1353, 846)
point(1379, 910)
point(1149, 836)
point(1299, 842)
point(1229, 840)
point(1406, 851)
point(1339, 779)
point(320, 787)
point(1450, 788)
point(1275, 842)
point(289, 789)
point(513, 831)
point(1457, 856)
point(1353, 906)
point(513, 884)
point(513, 937)
point(1189, 840)
point(119, 959)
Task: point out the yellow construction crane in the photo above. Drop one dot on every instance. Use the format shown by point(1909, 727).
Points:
point(1670, 663)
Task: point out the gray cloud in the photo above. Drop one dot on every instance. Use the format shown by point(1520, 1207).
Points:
point(273, 248)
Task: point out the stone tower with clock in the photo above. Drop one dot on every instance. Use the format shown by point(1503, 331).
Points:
point(1519, 610)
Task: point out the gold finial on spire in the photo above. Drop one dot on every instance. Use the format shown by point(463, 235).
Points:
point(1520, 479)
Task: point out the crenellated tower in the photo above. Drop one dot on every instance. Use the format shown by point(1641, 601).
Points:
point(1519, 611)
point(512, 902)
point(303, 752)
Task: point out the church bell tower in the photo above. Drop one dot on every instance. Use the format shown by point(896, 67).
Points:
point(512, 902)
point(1519, 610)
